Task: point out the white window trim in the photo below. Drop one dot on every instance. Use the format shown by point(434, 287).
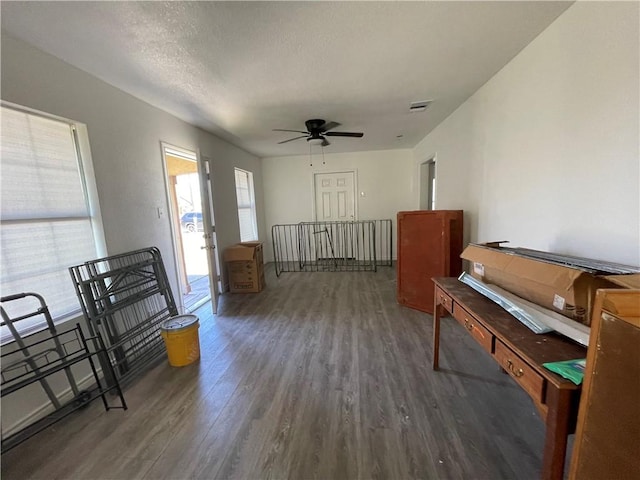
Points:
point(252, 203)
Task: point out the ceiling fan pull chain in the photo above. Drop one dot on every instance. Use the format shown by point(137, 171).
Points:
point(310, 157)
point(323, 162)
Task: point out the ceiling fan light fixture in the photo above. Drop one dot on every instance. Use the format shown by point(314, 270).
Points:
point(317, 132)
point(315, 140)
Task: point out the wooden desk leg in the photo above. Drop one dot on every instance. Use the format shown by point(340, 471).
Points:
point(437, 312)
point(555, 444)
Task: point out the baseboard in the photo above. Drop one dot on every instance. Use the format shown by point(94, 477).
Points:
point(64, 397)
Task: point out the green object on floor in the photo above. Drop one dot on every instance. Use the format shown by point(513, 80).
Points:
point(570, 369)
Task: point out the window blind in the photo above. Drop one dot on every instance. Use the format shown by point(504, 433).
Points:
point(246, 206)
point(44, 214)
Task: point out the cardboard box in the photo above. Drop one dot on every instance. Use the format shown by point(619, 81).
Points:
point(245, 267)
point(566, 287)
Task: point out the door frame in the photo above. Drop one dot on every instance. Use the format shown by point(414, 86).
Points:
point(314, 212)
point(179, 270)
point(430, 159)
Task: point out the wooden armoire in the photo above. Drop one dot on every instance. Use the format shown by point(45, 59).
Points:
point(429, 245)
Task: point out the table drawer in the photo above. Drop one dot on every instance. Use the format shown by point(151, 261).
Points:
point(445, 300)
point(477, 331)
point(526, 376)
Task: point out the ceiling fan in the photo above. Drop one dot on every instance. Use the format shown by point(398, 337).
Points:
point(317, 130)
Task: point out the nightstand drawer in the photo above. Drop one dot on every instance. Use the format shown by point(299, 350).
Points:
point(445, 300)
point(526, 376)
point(477, 331)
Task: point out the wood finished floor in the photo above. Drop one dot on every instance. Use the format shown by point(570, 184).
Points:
point(320, 376)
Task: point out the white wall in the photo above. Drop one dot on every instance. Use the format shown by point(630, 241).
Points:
point(388, 179)
point(225, 158)
point(546, 153)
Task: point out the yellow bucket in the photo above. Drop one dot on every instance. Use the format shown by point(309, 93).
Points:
point(180, 335)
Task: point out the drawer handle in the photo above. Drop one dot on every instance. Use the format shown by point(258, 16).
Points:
point(512, 369)
point(468, 325)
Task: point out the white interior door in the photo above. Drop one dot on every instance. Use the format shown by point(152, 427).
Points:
point(208, 220)
point(335, 196)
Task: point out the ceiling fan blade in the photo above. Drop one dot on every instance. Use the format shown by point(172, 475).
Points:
point(329, 126)
point(292, 139)
point(344, 134)
point(294, 131)
point(325, 142)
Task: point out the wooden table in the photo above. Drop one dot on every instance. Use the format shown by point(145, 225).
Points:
point(521, 353)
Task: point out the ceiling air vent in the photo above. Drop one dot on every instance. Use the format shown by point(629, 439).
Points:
point(419, 106)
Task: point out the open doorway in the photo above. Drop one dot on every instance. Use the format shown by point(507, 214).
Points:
point(428, 184)
point(192, 229)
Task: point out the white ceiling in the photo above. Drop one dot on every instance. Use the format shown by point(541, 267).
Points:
point(241, 69)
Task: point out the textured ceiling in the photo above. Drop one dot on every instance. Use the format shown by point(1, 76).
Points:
point(241, 69)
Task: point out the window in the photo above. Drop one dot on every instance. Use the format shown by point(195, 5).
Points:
point(246, 206)
point(46, 214)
